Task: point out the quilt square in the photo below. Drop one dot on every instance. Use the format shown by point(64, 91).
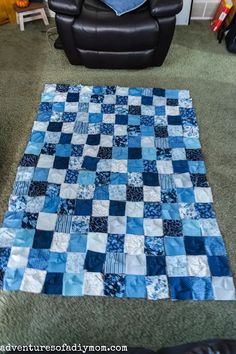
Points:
point(111, 198)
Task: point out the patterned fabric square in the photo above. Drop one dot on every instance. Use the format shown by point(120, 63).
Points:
point(111, 199)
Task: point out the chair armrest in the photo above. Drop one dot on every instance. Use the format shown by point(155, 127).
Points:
point(66, 7)
point(165, 8)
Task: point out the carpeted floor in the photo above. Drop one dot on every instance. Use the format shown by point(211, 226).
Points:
point(195, 62)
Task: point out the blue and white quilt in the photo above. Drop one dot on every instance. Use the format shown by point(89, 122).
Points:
point(111, 199)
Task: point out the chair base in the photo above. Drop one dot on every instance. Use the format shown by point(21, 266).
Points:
point(58, 44)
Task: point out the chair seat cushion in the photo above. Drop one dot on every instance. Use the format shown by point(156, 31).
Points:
point(99, 29)
point(123, 6)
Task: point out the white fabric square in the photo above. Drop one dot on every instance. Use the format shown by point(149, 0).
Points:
point(117, 192)
point(93, 284)
point(223, 288)
point(46, 221)
point(134, 100)
point(209, 227)
point(109, 118)
point(198, 266)
point(34, 204)
point(151, 194)
point(120, 129)
point(97, 242)
point(60, 242)
point(122, 91)
point(52, 137)
point(91, 150)
point(119, 166)
point(109, 99)
point(60, 97)
point(75, 262)
point(75, 163)
point(106, 140)
point(153, 227)
point(104, 165)
point(134, 209)
point(177, 266)
point(136, 264)
point(101, 207)
point(178, 154)
point(172, 110)
point(182, 180)
point(40, 126)
point(134, 244)
point(148, 141)
point(148, 110)
point(95, 107)
point(45, 161)
point(7, 237)
point(117, 224)
point(18, 257)
point(164, 167)
point(71, 106)
point(175, 130)
point(68, 127)
point(79, 139)
point(82, 117)
point(33, 280)
point(203, 195)
point(68, 191)
point(56, 176)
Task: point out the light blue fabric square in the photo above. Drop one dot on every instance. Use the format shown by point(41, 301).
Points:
point(170, 211)
point(12, 279)
point(191, 227)
point(41, 174)
point(135, 166)
point(51, 204)
point(149, 153)
point(197, 167)
point(34, 148)
point(73, 284)
point(147, 130)
point(86, 177)
point(215, 246)
point(135, 286)
point(78, 243)
point(202, 288)
point(174, 246)
point(185, 195)
point(57, 262)
point(37, 137)
point(192, 143)
point(174, 94)
point(135, 226)
point(119, 178)
point(160, 110)
point(13, 220)
point(58, 107)
point(133, 91)
point(119, 153)
point(134, 141)
point(133, 120)
point(44, 116)
point(24, 238)
point(63, 150)
point(95, 117)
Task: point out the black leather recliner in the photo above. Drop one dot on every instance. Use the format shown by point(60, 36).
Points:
point(92, 34)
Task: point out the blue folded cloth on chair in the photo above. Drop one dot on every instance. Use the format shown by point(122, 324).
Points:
point(123, 6)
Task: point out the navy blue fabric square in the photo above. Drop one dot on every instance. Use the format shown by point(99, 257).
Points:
point(194, 154)
point(83, 207)
point(93, 139)
point(150, 166)
point(172, 102)
point(205, 210)
point(77, 150)
point(156, 265)
point(48, 149)
point(37, 189)
point(161, 131)
point(71, 176)
point(150, 179)
point(147, 100)
point(134, 194)
point(219, 266)
point(114, 285)
point(66, 206)
point(4, 256)
point(29, 220)
point(122, 100)
point(117, 208)
point(108, 108)
point(53, 284)
point(194, 245)
point(94, 261)
point(172, 228)
point(121, 119)
point(54, 126)
point(98, 224)
point(65, 138)
point(135, 110)
point(152, 210)
point(174, 120)
point(61, 163)
point(169, 196)
point(97, 98)
point(180, 166)
point(159, 92)
point(90, 163)
point(62, 87)
point(199, 180)
point(53, 190)
point(72, 97)
point(181, 288)
point(135, 153)
point(42, 239)
point(29, 160)
point(105, 152)
point(163, 154)
point(102, 178)
point(115, 243)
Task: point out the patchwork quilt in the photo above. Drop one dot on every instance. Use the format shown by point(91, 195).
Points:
point(111, 199)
